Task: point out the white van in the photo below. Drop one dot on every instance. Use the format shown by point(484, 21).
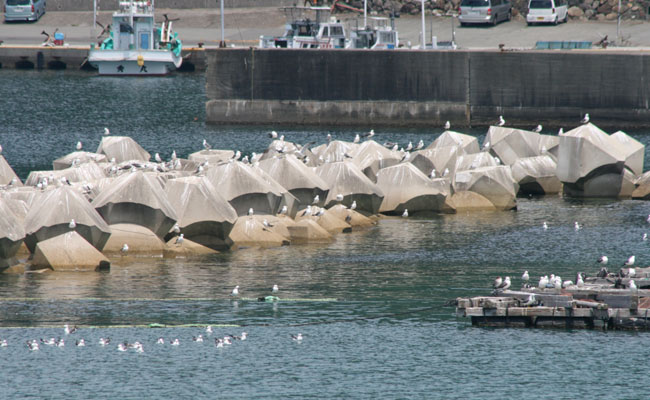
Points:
point(547, 11)
point(24, 10)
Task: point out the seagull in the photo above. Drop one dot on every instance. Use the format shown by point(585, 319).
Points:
point(175, 342)
point(405, 214)
point(603, 260)
point(576, 226)
point(447, 125)
point(0, 149)
point(122, 347)
point(354, 205)
point(329, 137)
point(284, 210)
point(560, 132)
point(525, 277)
point(585, 119)
point(648, 219)
point(538, 129)
point(267, 224)
point(543, 281)
point(505, 284)
point(357, 138)
point(501, 120)
point(275, 289)
point(307, 211)
point(79, 146)
point(72, 224)
point(445, 172)
point(106, 131)
point(3, 343)
point(273, 135)
point(104, 342)
point(530, 301)
point(631, 272)
point(497, 282)
point(218, 342)
point(206, 145)
point(579, 281)
point(80, 343)
point(208, 329)
point(179, 239)
point(371, 133)
point(198, 339)
point(61, 343)
point(409, 147)
point(297, 338)
point(603, 273)
point(339, 197)
point(432, 174)
point(645, 237)
point(251, 211)
point(68, 330)
point(630, 261)
point(632, 285)
point(545, 225)
point(420, 145)
point(176, 228)
point(395, 147)
point(486, 144)
point(160, 341)
point(174, 155)
point(124, 249)
point(316, 199)
point(33, 346)
point(235, 291)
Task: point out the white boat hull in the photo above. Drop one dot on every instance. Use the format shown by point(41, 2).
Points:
point(134, 62)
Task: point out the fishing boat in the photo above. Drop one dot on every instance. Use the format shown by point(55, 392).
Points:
point(136, 45)
point(308, 28)
point(379, 33)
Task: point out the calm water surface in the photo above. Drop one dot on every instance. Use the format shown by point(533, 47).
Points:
point(370, 304)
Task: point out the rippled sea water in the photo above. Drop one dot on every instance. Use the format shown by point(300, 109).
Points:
point(370, 305)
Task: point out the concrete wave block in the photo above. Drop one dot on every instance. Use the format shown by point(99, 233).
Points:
point(470, 201)
point(7, 174)
point(370, 157)
point(468, 143)
point(12, 235)
point(347, 179)
point(351, 217)
point(511, 144)
point(438, 158)
point(308, 231)
point(493, 183)
point(141, 241)
point(78, 158)
point(212, 156)
point(536, 175)
point(328, 221)
point(186, 248)
point(122, 148)
point(68, 252)
point(249, 231)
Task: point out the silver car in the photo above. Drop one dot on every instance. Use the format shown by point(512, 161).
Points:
point(24, 10)
point(484, 12)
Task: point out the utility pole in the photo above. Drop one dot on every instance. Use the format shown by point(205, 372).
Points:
point(422, 37)
point(222, 43)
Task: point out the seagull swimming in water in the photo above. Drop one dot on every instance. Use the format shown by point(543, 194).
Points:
point(208, 329)
point(538, 129)
point(545, 225)
point(235, 291)
point(275, 289)
point(297, 338)
point(104, 342)
point(585, 119)
point(175, 342)
point(69, 330)
point(501, 121)
point(160, 341)
point(80, 343)
point(576, 226)
point(645, 237)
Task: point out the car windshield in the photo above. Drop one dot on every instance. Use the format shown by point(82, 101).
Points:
point(475, 3)
point(540, 4)
point(17, 2)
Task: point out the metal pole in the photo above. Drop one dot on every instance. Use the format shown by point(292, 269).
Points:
point(94, 14)
point(223, 36)
point(422, 37)
point(365, 14)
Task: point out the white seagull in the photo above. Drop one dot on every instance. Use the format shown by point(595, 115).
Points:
point(160, 341)
point(420, 145)
point(603, 260)
point(405, 214)
point(501, 120)
point(632, 285)
point(505, 284)
point(251, 211)
point(545, 225)
point(497, 282)
point(124, 249)
point(447, 125)
point(357, 138)
point(275, 289)
point(339, 197)
point(586, 118)
point(284, 210)
point(645, 237)
point(538, 129)
point(235, 291)
point(576, 226)
point(530, 301)
point(179, 239)
point(525, 277)
point(316, 199)
point(79, 146)
point(69, 330)
point(72, 224)
point(560, 132)
point(157, 158)
point(273, 135)
point(630, 261)
point(297, 338)
point(354, 205)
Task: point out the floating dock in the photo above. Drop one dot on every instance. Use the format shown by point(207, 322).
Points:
point(602, 303)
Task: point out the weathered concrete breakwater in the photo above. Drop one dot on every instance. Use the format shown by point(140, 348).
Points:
point(604, 301)
point(118, 202)
point(75, 57)
point(424, 88)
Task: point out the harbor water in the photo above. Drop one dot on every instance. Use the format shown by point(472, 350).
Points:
point(370, 305)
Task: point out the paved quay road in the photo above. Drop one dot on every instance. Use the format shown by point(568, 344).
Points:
point(245, 25)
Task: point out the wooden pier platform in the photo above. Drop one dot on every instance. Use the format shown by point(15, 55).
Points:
point(597, 305)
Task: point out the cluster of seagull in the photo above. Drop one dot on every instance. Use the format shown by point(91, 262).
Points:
point(137, 346)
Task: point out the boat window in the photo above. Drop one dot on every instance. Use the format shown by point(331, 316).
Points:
point(336, 31)
point(475, 3)
point(540, 4)
point(17, 2)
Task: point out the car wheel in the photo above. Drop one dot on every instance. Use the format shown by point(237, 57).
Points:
point(555, 22)
point(566, 18)
point(494, 20)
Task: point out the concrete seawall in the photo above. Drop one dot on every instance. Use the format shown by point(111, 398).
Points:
point(410, 88)
point(110, 5)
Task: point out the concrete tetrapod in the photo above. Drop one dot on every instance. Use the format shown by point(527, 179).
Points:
point(406, 187)
point(249, 231)
point(7, 174)
point(136, 198)
point(11, 235)
point(642, 190)
point(288, 200)
point(300, 180)
point(592, 164)
point(468, 143)
point(370, 157)
point(536, 176)
point(52, 212)
point(77, 158)
point(86, 172)
point(326, 220)
point(438, 159)
point(204, 216)
point(139, 239)
point(334, 151)
point(68, 252)
point(472, 161)
point(511, 144)
point(244, 188)
point(212, 156)
point(346, 179)
point(122, 148)
point(495, 184)
point(351, 217)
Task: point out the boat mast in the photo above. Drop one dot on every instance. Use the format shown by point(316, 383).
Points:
point(132, 37)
